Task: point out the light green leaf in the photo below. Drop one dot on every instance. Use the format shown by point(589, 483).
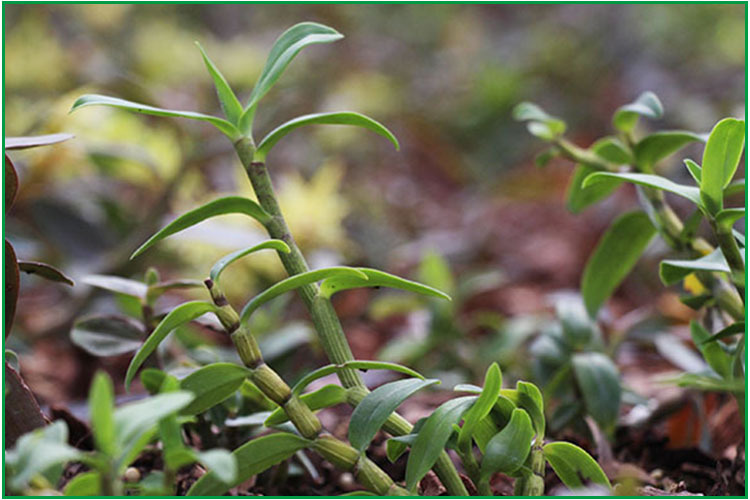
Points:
point(117, 284)
point(87, 484)
point(694, 169)
point(614, 257)
point(326, 396)
point(573, 465)
point(222, 206)
point(336, 118)
point(45, 271)
point(530, 399)
point(493, 379)
point(228, 100)
point(219, 267)
point(720, 160)
point(648, 180)
point(211, 385)
point(599, 382)
point(107, 335)
point(221, 462)
point(357, 365)
point(710, 383)
point(647, 105)
point(727, 217)
point(673, 270)
point(432, 438)
point(294, 282)
point(578, 198)
point(507, 450)
point(375, 278)
point(655, 147)
point(541, 124)
point(101, 408)
point(252, 458)
point(717, 358)
point(178, 316)
point(100, 100)
point(286, 47)
point(612, 150)
point(372, 412)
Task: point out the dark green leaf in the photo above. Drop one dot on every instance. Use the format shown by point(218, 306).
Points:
point(117, 284)
point(357, 365)
point(375, 278)
point(252, 458)
point(107, 335)
point(101, 100)
point(372, 412)
point(578, 328)
point(647, 105)
point(543, 158)
point(11, 288)
point(694, 169)
point(612, 150)
point(729, 331)
point(574, 466)
point(11, 184)
point(720, 160)
point(101, 407)
point(337, 118)
point(222, 206)
point(44, 271)
point(211, 385)
point(178, 316)
point(507, 450)
point(648, 180)
point(735, 187)
point(716, 357)
point(326, 396)
point(432, 438)
point(655, 147)
point(35, 141)
point(578, 198)
point(599, 382)
point(673, 270)
point(219, 267)
point(229, 102)
point(153, 379)
point(493, 380)
point(529, 399)
point(614, 257)
point(697, 301)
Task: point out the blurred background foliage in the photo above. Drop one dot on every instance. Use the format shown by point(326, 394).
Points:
point(461, 206)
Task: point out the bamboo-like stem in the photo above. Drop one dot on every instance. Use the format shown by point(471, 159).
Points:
point(533, 484)
point(731, 251)
point(302, 417)
point(324, 317)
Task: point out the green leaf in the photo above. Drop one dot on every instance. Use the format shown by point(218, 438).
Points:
point(716, 357)
point(543, 158)
point(729, 331)
point(107, 335)
point(574, 466)
point(612, 150)
point(671, 271)
point(294, 282)
point(221, 462)
point(101, 407)
point(694, 169)
point(578, 329)
point(432, 438)
point(117, 284)
point(720, 160)
point(222, 206)
point(734, 188)
point(599, 382)
point(578, 198)
point(11, 286)
point(178, 316)
point(507, 451)
point(35, 141)
point(87, 484)
point(356, 365)
point(336, 118)
point(709, 383)
point(374, 278)
point(372, 412)
point(727, 217)
point(655, 147)
point(286, 47)
point(100, 100)
point(11, 184)
point(252, 458)
point(44, 271)
point(157, 289)
point(227, 99)
point(647, 105)
point(614, 257)
point(530, 399)
point(219, 267)
point(493, 379)
point(211, 385)
point(153, 380)
point(326, 396)
point(648, 180)
point(541, 124)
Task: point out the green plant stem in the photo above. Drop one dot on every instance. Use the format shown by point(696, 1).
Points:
point(731, 251)
point(324, 317)
point(302, 417)
point(532, 485)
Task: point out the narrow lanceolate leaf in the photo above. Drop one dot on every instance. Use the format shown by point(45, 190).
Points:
point(12, 285)
point(695, 170)
point(11, 184)
point(107, 335)
point(326, 396)
point(729, 216)
point(729, 331)
point(432, 438)
point(114, 102)
point(227, 99)
point(647, 105)
point(493, 379)
point(286, 47)
point(655, 147)
point(252, 458)
point(337, 118)
point(222, 206)
point(673, 270)
point(178, 316)
point(356, 365)
point(45, 271)
point(222, 264)
point(599, 382)
point(614, 257)
point(720, 160)
point(717, 358)
point(101, 408)
point(374, 278)
point(297, 281)
point(117, 284)
point(648, 180)
point(35, 141)
point(574, 466)
point(372, 412)
point(211, 385)
point(507, 451)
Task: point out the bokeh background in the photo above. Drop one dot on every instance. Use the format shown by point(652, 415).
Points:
point(462, 196)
